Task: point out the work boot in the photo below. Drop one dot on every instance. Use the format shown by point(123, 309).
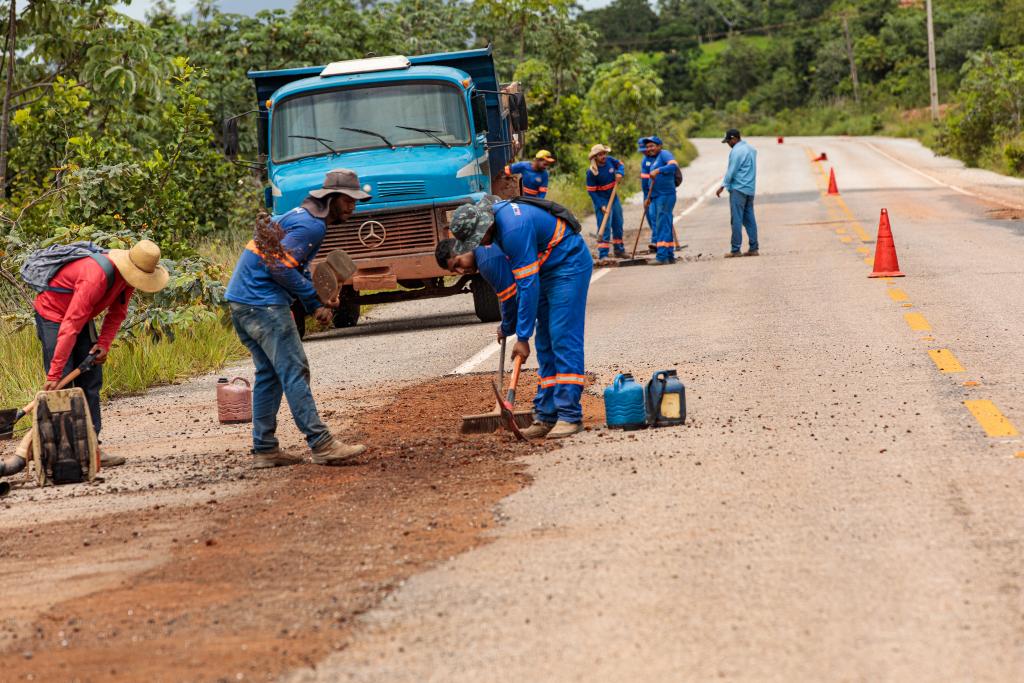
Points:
point(563, 429)
point(274, 458)
point(653, 248)
point(733, 254)
point(620, 253)
point(336, 453)
point(537, 430)
point(110, 460)
point(657, 262)
point(751, 252)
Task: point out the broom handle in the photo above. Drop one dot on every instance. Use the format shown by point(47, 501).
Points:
point(643, 217)
point(501, 371)
point(607, 212)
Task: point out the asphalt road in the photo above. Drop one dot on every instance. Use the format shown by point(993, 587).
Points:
point(831, 511)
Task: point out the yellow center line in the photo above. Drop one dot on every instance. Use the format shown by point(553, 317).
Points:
point(991, 418)
point(945, 361)
point(864, 250)
point(870, 261)
point(897, 294)
point(840, 231)
point(845, 239)
point(917, 322)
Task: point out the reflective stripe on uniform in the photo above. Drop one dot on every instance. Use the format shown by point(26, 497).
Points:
point(546, 382)
point(526, 271)
point(289, 260)
point(567, 378)
point(557, 237)
point(507, 293)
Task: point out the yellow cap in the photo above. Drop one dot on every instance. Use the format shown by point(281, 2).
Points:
point(545, 155)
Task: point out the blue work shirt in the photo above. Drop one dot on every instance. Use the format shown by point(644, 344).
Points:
point(493, 265)
point(665, 182)
point(535, 183)
point(600, 184)
point(742, 172)
point(535, 242)
point(257, 283)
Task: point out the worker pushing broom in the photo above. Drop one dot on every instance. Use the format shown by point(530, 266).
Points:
point(550, 266)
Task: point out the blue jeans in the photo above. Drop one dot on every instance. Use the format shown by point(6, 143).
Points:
point(662, 207)
point(561, 314)
point(281, 368)
point(613, 229)
point(90, 382)
point(741, 206)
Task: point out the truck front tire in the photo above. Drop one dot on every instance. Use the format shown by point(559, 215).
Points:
point(485, 301)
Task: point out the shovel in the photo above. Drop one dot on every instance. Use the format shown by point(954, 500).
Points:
point(328, 275)
point(10, 416)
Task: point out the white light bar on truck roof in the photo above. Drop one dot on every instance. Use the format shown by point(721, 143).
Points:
point(361, 66)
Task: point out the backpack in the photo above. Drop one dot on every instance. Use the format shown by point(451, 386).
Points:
point(679, 176)
point(555, 209)
point(42, 265)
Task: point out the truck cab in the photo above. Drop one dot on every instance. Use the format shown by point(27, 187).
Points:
point(424, 133)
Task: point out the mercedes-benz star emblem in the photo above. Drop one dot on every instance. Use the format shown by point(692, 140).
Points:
point(372, 234)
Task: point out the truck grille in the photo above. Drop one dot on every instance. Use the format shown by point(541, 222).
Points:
point(384, 233)
point(400, 188)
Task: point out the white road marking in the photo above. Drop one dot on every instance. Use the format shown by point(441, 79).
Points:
point(920, 172)
point(492, 348)
point(700, 200)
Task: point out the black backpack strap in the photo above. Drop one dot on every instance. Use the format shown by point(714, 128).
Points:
point(108, 268)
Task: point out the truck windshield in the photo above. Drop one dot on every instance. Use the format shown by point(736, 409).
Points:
point(392, 111)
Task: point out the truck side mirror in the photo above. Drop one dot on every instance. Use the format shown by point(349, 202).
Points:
point(479, 113)
point(229, 133)
point(517, 112)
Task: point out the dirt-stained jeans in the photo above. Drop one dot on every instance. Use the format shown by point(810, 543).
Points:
point(281, 368)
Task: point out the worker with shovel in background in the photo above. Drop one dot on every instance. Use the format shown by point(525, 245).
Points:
point(534, 173)
point(551, 267)
point(603, 176)
point(660, 167)
point(268, 276)
point(80, 291)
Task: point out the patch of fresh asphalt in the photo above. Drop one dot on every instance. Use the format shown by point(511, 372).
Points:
point(829, 512)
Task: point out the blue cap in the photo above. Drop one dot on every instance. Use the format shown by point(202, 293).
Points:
point(653, 138)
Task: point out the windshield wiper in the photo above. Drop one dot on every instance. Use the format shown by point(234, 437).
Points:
point(322, 141)
point(429, 132)
point(370, 132)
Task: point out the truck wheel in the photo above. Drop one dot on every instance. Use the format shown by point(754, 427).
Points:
point(299, 316)
point(485, 301)
point(347, 314)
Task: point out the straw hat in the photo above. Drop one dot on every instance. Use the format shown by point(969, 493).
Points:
point(599, 149)
point(140, 266)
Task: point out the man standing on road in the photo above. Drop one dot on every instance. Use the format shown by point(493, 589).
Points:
point(604, 173)
point(740, 179)
point(78, 293)
point(534, 173)
point(551, 267)
point(268, 276)
point(661, 165)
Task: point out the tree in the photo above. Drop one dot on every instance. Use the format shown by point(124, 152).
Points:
point(622, 104)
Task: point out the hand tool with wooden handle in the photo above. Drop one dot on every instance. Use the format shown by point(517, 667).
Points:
point(10, 417)
point(607, 212)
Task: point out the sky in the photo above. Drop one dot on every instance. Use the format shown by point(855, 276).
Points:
point(138, 8)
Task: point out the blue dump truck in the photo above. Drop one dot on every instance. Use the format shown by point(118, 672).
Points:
point(424, 133)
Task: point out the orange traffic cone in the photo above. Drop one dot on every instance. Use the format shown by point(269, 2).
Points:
point(832, 189)
point(822, 157)
point(780, 139)
point(886, 264)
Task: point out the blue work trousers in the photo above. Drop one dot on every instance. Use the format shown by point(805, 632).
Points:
point(612, 235)
point(281, 369)
point(561, 315)
point(741, 206)
point(663, 239)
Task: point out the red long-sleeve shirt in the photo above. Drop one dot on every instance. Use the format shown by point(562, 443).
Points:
point(89, 297)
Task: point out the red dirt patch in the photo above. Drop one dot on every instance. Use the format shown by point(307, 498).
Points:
point(261, 583)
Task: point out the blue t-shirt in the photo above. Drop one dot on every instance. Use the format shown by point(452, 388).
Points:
point(535, 183)
point(493, 265)
point(600, 184)
point(256, 283)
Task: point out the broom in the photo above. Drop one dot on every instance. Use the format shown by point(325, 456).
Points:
point(487, 423)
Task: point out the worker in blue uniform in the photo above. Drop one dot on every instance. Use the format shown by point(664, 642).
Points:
point(491, 263)
point(645, 187)
point(603, 175)
point(534, 173)
point(551, 268)
point(662, 198)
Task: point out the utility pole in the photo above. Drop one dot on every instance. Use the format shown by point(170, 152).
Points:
point(933, 80)
point(5, 111)
point(853, 62)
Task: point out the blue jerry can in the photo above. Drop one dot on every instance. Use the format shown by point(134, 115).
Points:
point(624, 404)
point(666, 399)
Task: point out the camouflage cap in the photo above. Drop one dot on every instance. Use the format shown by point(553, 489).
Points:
point(470, 222)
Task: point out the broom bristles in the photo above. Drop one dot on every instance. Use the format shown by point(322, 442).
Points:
point(491, 422)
